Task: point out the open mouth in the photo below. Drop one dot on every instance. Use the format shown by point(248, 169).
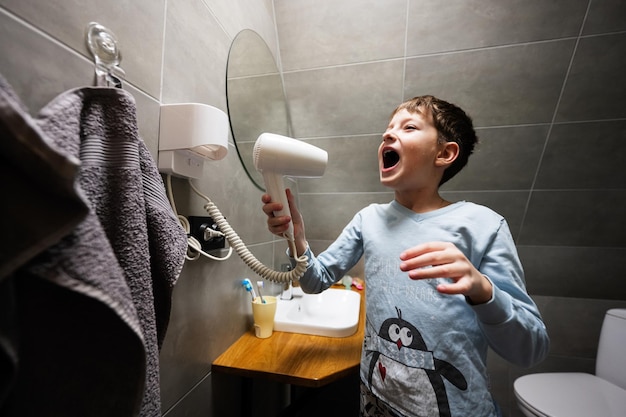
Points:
point(390, 158)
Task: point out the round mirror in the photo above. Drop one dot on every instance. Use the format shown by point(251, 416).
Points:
point(255, 97)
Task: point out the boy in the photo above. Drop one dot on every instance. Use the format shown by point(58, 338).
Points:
point(444, 281)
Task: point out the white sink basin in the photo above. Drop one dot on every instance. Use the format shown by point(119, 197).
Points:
point(332, 313)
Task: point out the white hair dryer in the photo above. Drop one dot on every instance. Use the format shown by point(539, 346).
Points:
point(276, 156)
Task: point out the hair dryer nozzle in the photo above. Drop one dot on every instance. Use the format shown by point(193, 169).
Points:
point(276, 156)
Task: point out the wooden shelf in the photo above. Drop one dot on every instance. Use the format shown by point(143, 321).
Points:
point(292, 358)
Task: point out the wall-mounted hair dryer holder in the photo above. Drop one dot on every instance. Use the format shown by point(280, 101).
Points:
point(189, 134)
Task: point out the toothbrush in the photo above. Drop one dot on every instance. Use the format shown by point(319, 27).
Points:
point(260, 284)
point(248, 286)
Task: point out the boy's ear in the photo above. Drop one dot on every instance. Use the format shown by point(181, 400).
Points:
point(447, 154)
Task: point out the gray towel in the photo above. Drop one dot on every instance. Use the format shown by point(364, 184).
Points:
point(41, 205)
point(41, 200)
point(126, 255)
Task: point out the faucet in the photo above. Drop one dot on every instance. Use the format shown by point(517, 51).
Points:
point(287, 293)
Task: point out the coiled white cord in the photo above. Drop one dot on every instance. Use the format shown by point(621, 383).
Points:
point(246, 256)
point(194, 247)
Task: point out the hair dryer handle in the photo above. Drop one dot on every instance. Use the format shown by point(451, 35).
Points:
point(276, 189)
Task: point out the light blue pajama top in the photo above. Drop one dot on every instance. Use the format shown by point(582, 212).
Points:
point(424, 352)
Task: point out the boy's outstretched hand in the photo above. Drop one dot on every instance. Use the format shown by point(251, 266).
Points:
point(447, 261)
point(278, 225)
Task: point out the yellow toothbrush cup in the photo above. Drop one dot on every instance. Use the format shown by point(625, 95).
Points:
point(263, 315)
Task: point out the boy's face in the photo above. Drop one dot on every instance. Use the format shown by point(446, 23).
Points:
point(408, 155)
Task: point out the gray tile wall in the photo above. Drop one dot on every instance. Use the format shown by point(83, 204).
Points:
point(545, 83)
point(172, 51)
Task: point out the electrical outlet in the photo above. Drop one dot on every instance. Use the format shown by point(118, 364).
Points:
point(201, 228)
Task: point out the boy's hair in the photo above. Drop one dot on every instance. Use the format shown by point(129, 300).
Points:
point(452, 124)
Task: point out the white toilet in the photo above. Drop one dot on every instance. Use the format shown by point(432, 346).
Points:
point(574, 394)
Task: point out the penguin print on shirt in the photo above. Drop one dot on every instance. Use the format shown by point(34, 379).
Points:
point(405, 374)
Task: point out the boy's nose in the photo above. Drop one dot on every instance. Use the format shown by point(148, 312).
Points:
point(388, 136)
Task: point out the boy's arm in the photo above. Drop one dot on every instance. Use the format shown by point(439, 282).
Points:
point(332, 264)
point(495, 289)
point(511, 320)
point(513, 328)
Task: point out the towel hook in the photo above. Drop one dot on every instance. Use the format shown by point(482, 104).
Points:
point(102, 44)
